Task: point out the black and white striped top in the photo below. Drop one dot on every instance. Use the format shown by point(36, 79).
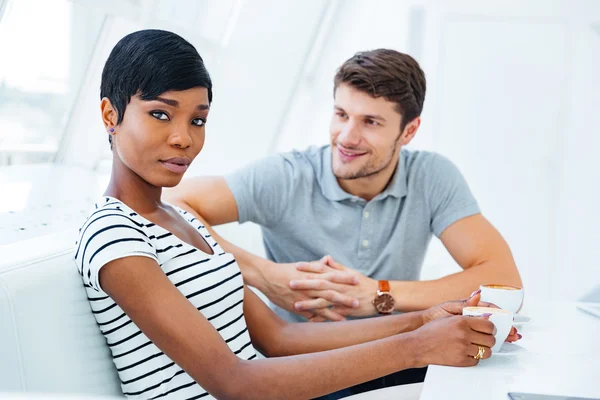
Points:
point(212, 283)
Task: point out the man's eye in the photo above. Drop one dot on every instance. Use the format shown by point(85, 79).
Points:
point(160, 115)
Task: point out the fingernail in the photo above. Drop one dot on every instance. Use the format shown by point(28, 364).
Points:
point(475, 292)
point(486, 315)
point(293, 284)
point(355, 280)
point(355, 303)
point(297, 306)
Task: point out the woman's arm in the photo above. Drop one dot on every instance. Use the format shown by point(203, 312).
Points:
point(140, 288)
point(276, 337)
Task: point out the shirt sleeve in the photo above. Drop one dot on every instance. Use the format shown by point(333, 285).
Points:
point(108, 235)
point(263, 189)
point(448, 194)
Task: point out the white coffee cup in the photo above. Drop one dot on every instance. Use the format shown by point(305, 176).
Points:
point(506, 297)
point(502, 320)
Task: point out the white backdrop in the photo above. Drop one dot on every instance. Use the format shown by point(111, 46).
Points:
point(513, 88)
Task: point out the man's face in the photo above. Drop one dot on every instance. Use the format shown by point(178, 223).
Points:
point(365, 134)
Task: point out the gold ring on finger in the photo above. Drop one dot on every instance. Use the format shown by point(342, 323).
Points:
point(480, 353)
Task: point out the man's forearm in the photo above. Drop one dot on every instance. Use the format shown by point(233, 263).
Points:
point(301, 338)
point(251, 265)
point(419, 295)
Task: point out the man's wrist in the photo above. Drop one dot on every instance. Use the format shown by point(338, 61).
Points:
point(257, 273)
point(396, 291)
point(372, 289)
point(264, 274)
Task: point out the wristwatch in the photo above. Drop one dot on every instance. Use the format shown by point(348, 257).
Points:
point(384, 301)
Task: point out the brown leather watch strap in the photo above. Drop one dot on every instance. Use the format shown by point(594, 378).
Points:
point(384, 286)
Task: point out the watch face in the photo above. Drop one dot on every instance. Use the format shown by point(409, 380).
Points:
point(384, 303)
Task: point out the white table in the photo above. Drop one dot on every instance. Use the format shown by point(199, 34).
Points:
point(562, 358)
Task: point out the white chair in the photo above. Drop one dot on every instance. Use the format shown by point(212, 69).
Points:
point(49, 340)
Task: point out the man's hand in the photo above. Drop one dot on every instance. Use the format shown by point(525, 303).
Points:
point(364, 290)
point(450, 308)
point(280, 292)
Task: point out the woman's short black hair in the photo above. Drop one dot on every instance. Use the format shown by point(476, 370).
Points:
point(149, 63)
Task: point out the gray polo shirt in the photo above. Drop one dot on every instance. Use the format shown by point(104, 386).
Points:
point(305, 215)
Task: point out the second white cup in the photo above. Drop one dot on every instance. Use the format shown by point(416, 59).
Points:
point(506, 297)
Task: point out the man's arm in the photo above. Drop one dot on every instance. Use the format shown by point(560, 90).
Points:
point(481, 252)
point(208, 196)
point(471, 240)
point(211, 200)
point(473, 243)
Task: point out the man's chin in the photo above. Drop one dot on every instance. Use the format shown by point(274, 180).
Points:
point(346, 173)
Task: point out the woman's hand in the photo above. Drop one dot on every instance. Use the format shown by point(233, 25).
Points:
point(450, 308)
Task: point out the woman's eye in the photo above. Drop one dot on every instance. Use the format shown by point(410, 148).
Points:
point(160, 115)
point(199, 121)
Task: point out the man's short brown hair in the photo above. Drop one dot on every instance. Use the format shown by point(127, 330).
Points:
point(389, 74)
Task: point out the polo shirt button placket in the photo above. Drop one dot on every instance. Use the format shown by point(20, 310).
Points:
point(365, 233)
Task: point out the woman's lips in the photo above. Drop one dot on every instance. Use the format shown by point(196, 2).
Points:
point(174, 167)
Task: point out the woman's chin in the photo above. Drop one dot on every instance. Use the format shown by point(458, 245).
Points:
point(171, 182)
point(166, 181)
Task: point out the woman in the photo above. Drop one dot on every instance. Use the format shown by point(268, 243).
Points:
point(172, 304)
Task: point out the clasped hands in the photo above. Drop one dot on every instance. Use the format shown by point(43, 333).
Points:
point(327, 290)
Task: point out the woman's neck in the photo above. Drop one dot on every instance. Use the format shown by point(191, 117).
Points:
point(132, 190)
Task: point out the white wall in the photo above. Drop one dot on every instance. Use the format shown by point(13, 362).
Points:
point(512, 91)
point(253, 64)
point(513, 88)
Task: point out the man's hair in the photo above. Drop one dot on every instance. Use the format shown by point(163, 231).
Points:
point(149, 63)
point(389, 74)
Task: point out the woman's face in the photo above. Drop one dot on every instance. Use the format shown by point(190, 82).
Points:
point(158, 139)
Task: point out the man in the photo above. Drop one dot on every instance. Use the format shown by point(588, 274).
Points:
point(362, 206)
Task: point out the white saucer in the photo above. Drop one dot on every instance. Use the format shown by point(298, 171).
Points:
point(519, 320)
point(509, 349)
